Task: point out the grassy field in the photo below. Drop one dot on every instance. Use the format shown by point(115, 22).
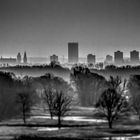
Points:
point(127, 125)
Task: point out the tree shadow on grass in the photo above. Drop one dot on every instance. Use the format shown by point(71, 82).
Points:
point(43, 138)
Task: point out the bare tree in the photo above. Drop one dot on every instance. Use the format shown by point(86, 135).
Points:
point(112, 101)
point(61, 105)
point(25, 102)
point(49, 97)
point(135, 102)
point(134, 90)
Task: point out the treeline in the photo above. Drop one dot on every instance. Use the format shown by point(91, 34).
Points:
point(124, 71)
point(18, 95)
point(36, 71)
point(88, 85)
point(63, 72)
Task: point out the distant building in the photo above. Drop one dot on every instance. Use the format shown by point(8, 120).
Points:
point(91, 59)
point(134, 56)
point(109, 59)
point(73, 52)
point(19, 58)
point(7, 61)
point(54, 58)
point(118, 58)
point(25, 58)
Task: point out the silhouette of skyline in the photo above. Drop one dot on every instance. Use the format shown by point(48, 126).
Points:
point(44, 27)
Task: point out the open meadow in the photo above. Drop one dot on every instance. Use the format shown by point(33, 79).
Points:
point(81, 123)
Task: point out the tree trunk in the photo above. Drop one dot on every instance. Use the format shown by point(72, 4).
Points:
point(110, 119)
point(24, 115)
point(51, 114)
point(59, 122)
point(110, 124)
point(24, 118)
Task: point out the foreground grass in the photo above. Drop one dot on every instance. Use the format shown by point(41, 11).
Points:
point(81, 134)
point(128, 124)
point(98, 131)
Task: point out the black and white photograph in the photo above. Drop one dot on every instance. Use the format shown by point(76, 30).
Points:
point(69, 70)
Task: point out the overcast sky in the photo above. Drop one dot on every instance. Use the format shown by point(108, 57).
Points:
point(44, 27)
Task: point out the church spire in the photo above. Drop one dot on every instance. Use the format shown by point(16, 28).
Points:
point(19, 58)
point(25, 58)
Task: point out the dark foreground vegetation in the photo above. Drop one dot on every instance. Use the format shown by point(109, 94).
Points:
point(42, 138)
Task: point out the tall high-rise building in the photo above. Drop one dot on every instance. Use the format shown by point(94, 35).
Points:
point(91, 59)
point(25, 58)
point(118, 58)
point(73, 52)
point(134, 56)
point(18, 58)
point(54, 58)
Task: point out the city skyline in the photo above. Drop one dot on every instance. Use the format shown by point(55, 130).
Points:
point(44, 27)
point(117, 58)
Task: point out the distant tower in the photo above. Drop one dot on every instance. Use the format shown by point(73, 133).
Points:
point(54, 58)
point(91, 59)
point(25, 58)
point(109, 59)
point(73, 52)
point(118, 58)
point(134, 56)
point(18, 58)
